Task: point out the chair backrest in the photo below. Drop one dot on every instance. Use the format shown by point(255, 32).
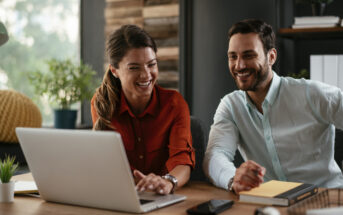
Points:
point(339, 148)
point(199, 144)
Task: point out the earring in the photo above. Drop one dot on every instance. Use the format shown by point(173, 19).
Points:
point(114, 75)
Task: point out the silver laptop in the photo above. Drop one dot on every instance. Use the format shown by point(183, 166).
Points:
point(87, 168)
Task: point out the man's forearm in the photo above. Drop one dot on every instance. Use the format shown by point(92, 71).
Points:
point(219, 169)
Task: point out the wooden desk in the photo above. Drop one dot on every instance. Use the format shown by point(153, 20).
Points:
point(196, 193)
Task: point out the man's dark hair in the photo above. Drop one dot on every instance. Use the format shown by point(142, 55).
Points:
point(264, 31)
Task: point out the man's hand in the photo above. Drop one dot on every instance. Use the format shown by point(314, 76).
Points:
point(152, 182)
point(248, 175)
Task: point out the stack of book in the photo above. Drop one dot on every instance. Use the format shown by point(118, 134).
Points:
point(327, 69)
point(316, 22)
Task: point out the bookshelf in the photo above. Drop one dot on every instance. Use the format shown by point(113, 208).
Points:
point(311, 33)
point(296, 46)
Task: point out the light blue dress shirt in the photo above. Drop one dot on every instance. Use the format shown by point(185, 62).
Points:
point(293, 138)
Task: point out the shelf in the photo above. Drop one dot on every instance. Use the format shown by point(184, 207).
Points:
point(311, 33)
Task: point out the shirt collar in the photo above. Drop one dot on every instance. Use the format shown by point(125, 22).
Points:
point(152, 108)
point(272, 92)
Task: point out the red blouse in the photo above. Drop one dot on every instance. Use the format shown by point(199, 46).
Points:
point(158, 139)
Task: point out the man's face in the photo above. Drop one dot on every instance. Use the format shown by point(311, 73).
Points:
point(248, 64)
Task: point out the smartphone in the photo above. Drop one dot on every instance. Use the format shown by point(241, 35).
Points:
point(214, 206)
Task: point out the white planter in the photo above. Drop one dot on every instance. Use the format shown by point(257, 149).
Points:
point(7, 192)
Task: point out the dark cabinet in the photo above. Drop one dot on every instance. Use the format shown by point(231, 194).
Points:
point(296, 45)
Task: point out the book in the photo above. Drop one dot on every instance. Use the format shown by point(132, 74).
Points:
point(322, 25)
point(331, 70)
point(340, 72)
point(316, 67)
point(24, 187)
point(278, 193)
point(327, 69)
point(316, 20)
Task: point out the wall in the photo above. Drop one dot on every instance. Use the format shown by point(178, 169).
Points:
point(92, 43)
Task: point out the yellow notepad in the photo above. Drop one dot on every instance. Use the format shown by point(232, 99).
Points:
point(271, 188)
point(280, 193)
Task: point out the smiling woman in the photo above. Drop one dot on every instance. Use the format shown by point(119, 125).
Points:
point(154, 123)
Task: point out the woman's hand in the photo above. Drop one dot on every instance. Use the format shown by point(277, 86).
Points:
point(152, 182)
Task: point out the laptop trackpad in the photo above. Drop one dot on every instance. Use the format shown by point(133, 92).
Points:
point(144, 201)
point(149, 197)
point(152, 200)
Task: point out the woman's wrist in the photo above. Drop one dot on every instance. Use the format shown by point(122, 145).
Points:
point(173, 180)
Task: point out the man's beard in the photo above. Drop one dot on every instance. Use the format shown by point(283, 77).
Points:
point(260, 76)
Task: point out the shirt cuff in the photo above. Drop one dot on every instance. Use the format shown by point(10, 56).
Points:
point(224, 179)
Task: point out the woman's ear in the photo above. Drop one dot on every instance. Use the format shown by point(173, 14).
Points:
point(113, 71)
point(272, 55)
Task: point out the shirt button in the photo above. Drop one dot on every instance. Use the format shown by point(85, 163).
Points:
point(141, 156)
point(139, 139)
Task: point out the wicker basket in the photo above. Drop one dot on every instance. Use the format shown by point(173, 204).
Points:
point(16, 110)
point(329, 198)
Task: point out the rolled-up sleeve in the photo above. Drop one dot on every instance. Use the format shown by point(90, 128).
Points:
point(180, 147)
point(222, 145)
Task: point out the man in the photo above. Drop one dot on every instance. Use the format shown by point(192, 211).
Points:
point(283, 127)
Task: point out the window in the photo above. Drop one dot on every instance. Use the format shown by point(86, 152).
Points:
point(38, 30)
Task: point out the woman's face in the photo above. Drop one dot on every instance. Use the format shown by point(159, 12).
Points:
point(137, 73)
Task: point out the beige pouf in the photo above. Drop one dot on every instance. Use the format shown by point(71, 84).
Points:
point(16, 110)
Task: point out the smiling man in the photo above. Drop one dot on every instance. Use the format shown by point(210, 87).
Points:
point(283, 127)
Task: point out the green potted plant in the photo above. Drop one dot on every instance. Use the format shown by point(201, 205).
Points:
point(318, 6)
point(7, 169)
point(64, 84)
point(302, 74)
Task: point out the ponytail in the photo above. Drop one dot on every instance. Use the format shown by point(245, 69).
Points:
point(107, 101)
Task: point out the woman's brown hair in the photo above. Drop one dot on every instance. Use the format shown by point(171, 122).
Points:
point(108, 94)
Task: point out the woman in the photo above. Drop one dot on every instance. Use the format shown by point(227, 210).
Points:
point(154, 122)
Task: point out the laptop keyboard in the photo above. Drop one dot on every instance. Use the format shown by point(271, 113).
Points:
point(144, 201)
